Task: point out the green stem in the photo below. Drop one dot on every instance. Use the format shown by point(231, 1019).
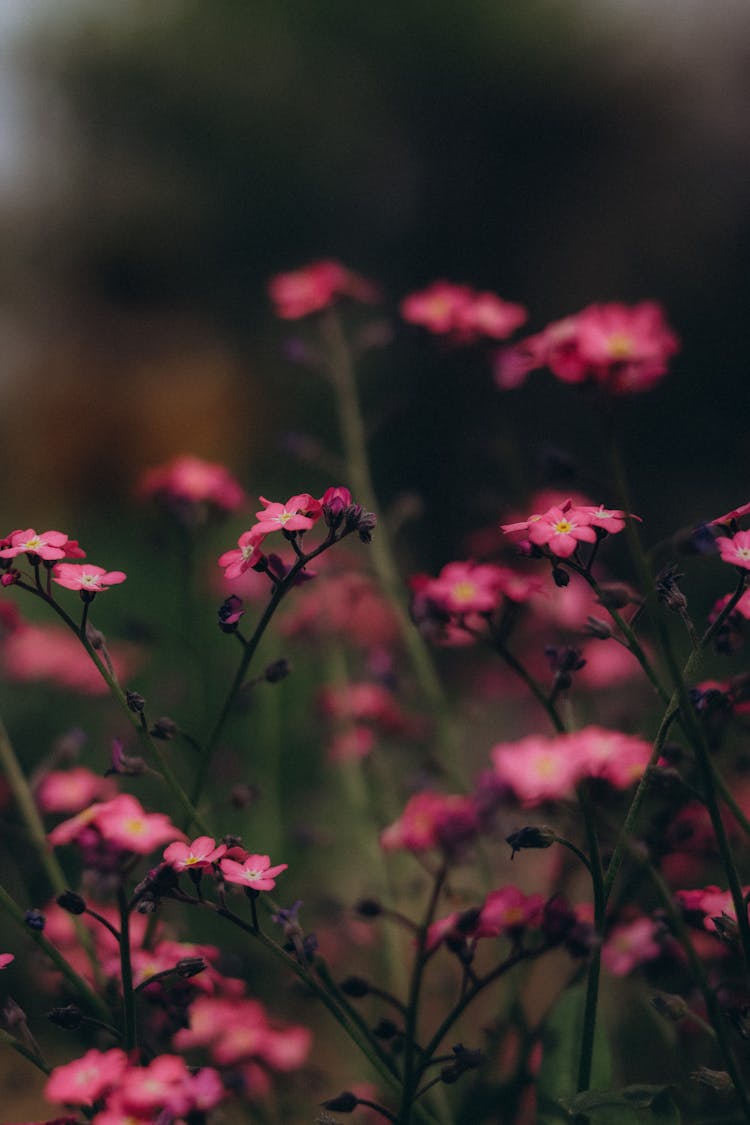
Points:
point(27, 1053)
point(84, 990)
point(594, 969)
point(129, 1035)
point(354, 437)
point(412, 1073)
point(532, 684)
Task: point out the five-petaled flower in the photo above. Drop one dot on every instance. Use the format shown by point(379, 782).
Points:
point(86, 577)
point(254, 871)
point(47, 545)
point(197, 856)
point(736, 550)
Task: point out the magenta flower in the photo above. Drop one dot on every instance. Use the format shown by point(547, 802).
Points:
point(630, 944)
point(298, 514)
point(6, 959)
point(86, 577)
point(48, 545)
point(197, 856)
point(561, 530)
point(316, 287)
point(255, 871)
point(190, 480)
point(459, 311)
point(508, 910)
point(245, 555)
point(736, 550)
point(87, 1079)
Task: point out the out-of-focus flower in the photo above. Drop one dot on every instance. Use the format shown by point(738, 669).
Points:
point(624, 349)
point(122, 822)
point(6, 959)
point(50, 652)
point(458, 311)
point(312, 288)
point(432, 820)
point(69, 791)
point(190, 482)
point(630, 944)
point(87, 1079)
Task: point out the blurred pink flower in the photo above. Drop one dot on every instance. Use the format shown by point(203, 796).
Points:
point(87, 1079)
point(307, 290)
point(69, 791)
point(191, 480)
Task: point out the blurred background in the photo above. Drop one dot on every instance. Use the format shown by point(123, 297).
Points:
point(159, 161)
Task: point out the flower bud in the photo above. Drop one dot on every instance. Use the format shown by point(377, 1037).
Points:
point(34, 919)
point(717, 1080)
point(346, 1102)
point(135, 702)
point(532, 836)
point(72, 902)
point(70, 1017)
point(277, 671)
point(669, 1006)
point(355, 987)
point(164, 728)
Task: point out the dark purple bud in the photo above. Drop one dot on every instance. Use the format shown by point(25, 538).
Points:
point(164, 728)
point(34, 919)
point(71, 902)
point(230, 612)
point(135, 701)
point(346, 1102)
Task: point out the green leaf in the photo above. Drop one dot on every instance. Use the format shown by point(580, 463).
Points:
point(561, 1042)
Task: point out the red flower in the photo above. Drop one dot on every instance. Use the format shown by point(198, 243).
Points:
point(315, 287)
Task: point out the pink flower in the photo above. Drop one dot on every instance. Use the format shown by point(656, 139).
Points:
point(623, 348)
point(736, 550)
point(245, 555)
point(69, 791)
point(51, 652)
point(315, 287)
point(735, 514)
point(561, 530)
point(189, 480)
point(6, 959)
point(631, 944)
point(48, 545)
point(255, 871)
point(122, 822)
point(298, 514)
point(465, 587)
point(507, 911)
point(87, 1079)
point(197, 856)
point(86, 577)
point(536, 769)
point(431, 820)
point(457, 310)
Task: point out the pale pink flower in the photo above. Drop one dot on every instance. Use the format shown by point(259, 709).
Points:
point(47, 545)
point(489, 316)
point(245, 555)
point(69, 791)
point(197, 856)
point(315, 287)
point(736, 550)
point(298, 514)
point(437, 307)
point(191, 480)
point(122, 822)
point(87, 1079)
point(255, 871)
point(536, 769)
point(86, 577)
point(630, 944)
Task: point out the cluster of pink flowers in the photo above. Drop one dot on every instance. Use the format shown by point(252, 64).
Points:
point(432, 820)
point(189, 481)
point(462, 313)
point(709, 903)
point(360, 712)
point(561, 529)
point(450, 607)
point(504, 913)
point(166, 1086)
point(237, 1032)
point(539, 769)
point(299, 514)
point(316, 287)
point(122, 823)
point(50, 547)
point(236, 864)
point(622, 348)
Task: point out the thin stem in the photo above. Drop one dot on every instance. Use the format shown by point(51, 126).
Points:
point(411, 1072)
point(249, 650)
point(126, 971)
point(531, 683)
point(594, 969)
point(576, 852)
point(84, 990)
point(22, 1049)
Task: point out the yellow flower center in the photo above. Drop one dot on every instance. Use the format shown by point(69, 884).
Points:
point(135, 825)
point(620, 346)
point(563, 526)
point(464, 591)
